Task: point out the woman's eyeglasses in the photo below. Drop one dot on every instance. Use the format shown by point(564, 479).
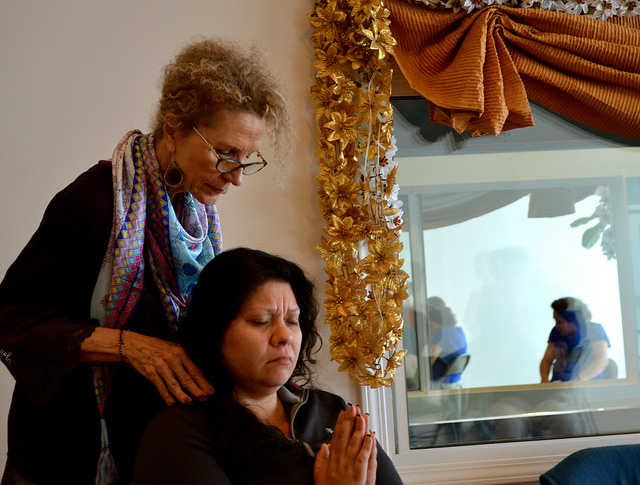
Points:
point(228, 165)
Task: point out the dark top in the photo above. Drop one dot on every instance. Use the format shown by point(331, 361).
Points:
point(573, 354)
point(454, 343)
point(54, 428)
point(181, 446)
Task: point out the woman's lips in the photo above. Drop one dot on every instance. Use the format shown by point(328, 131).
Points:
point(217, 190)
point(282, 360)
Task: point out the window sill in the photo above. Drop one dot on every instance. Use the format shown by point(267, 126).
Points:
point(487, 464)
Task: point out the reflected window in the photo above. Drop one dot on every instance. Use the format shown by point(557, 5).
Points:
point(486, 264)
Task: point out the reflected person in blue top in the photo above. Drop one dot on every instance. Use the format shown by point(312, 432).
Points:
point(577, 349)
point(447, 340)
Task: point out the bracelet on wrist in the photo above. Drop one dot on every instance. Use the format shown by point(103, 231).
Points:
point(121, 345)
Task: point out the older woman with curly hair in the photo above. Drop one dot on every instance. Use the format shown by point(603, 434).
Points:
point(90, 310)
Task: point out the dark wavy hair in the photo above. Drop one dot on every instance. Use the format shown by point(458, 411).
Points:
point(439, 313)
point(572, 310)
point(224, 285)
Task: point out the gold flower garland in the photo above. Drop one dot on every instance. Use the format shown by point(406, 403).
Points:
point(358, 192)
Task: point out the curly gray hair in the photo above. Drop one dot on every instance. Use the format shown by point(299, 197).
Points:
point(212, 74)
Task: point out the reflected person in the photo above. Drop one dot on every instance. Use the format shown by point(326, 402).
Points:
point(447, 341)
point(577, 349)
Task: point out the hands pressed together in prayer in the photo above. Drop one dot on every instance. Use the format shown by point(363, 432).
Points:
point(351, 457)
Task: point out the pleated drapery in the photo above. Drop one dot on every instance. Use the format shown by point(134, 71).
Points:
point(480, 70)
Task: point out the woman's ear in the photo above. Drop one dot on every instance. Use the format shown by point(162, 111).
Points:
point(169, 129)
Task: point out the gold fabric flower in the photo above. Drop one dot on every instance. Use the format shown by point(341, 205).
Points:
point(342, 128)
point(332, 255)
point(325, 21)
point(342, 298)
point(344, 233)
point(380, 36)
point(345, 88)
point(329, 63)
point(377, 105)
point(342, 192)
point(323, 101)
point(383, 253)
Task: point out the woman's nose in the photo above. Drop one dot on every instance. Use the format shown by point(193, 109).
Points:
point(234, 177)
point(282, 333)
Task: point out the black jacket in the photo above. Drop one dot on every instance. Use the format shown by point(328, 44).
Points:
point(180, 446)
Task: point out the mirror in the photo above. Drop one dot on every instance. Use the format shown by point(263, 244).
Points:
point(494, 260)
point(497, 229)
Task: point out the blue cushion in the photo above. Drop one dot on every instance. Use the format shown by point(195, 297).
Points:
point(615, 465)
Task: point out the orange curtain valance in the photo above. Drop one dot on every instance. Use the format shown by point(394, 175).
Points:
point(479, 70)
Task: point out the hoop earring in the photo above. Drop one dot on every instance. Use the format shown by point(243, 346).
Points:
point(173, 176)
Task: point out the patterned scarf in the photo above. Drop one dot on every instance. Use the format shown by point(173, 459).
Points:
point(178, 242)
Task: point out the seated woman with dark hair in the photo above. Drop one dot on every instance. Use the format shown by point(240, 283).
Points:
point(251, 328)
point(577, 347)
point(448, 341)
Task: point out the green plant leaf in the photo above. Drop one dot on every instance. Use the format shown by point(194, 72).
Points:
point(582, 220)
point(591, 236)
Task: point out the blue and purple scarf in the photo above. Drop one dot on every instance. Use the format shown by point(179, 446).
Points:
point(177, 241)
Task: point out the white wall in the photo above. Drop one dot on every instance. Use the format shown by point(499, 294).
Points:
point(76, 76)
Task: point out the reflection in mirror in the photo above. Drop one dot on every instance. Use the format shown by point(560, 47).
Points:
point(486, 264)
point(500, 258)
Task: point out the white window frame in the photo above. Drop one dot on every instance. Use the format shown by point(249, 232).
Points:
point(486, 464)
point(492, 463)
